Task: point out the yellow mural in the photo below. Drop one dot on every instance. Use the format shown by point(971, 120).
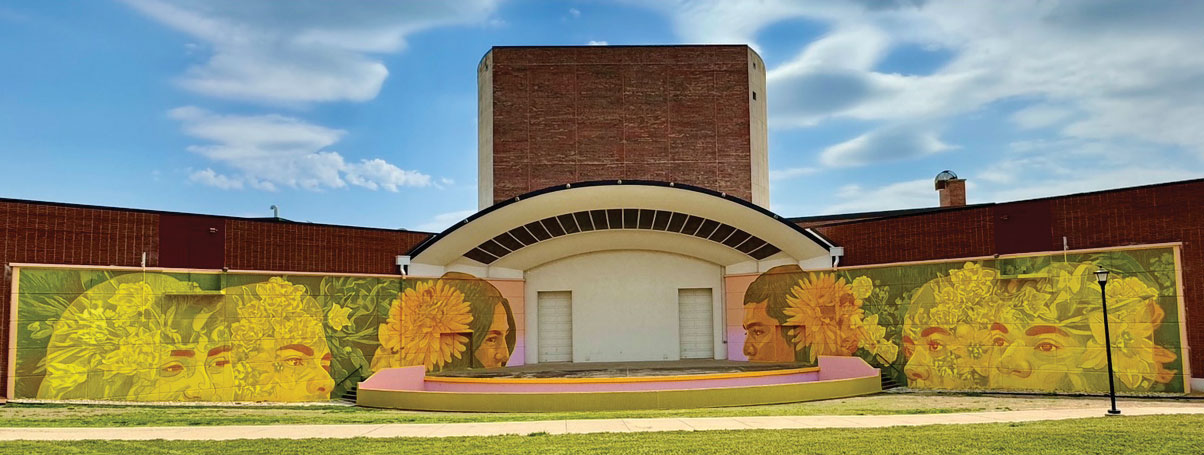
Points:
point(452, 322)
point(164, 336)
point(150, 337)
point(970, 326)
point(970, 330)
point(278, 339)
point(790, 315)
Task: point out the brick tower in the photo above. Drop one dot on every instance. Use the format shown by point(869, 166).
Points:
point(687, 114)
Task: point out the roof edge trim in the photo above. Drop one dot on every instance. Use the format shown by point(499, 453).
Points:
point(418, 249)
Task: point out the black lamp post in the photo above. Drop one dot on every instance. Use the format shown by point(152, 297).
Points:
point(1101, 275)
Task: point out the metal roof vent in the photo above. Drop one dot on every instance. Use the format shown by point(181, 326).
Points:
point(944, 177)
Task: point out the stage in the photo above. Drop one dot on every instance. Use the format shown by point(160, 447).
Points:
point(618, 386)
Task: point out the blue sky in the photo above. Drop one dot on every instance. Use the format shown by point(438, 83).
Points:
point(364, 113)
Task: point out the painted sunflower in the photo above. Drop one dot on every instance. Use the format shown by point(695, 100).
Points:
point(433, 325)
point(827, 314)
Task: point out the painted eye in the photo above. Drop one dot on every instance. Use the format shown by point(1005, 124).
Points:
point(934, 346)
point(1046, 347)
point(491, 339)
point(1000, 341)
point(171, 369)
point(294, 361)
point(221, 363)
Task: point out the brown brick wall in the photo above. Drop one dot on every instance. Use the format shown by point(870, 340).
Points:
point(32, 232)
point(294, 247)
point(938, 235)
point(570, 114)
point(1143, 215)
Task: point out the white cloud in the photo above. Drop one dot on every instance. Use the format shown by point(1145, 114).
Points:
point(269, 151)
point(730, 22)
point(1040, 168)
point(376, 173)
point(302, 50)
point(444, 220)
point(576, 13)
point(1040, 116)
point(791, 173)
point(1115, 70)
point(597, 43)
point(1028, 170)
point(211, 178)
point(1090, 181)
point(885, 144)
point(901, 195)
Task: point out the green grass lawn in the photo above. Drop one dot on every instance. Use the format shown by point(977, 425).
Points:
point(1145, 434)
point(65, 415)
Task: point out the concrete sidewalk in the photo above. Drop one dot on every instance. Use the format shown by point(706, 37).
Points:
point(217, 433)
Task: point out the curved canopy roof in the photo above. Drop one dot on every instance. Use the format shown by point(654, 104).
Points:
point(617, 214)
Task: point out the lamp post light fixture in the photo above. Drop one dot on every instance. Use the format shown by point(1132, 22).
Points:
point(1101, 276)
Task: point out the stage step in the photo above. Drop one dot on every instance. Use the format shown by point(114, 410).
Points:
point(888, 382)
point(350, 394)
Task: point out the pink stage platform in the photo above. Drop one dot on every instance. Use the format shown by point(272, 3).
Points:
point(411, 388)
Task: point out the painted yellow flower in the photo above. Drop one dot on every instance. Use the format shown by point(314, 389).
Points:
point(873, 339)
point(434, 324)
point(973, 282)
point(389, 334)
point(975, 351)
point(64, 376)
point(862, 287)
point(825, 310)
point(1138, 361)
point(1128, 291)
point(281, 296)
point(384, 359)
point(337, 317)
point(1032, 302)
point(887, 350)
point(136, 352)
point(132, 299)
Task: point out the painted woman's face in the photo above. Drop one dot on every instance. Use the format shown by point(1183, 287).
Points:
point(296, 371)
point(763, 338)
point(930, 356)
point(493, 351)
point(1041, 357)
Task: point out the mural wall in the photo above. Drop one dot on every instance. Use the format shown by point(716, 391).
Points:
point(150, 336)
point(1022, 323)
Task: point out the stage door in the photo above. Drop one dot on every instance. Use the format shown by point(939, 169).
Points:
point(695, 317)
point(555, 326)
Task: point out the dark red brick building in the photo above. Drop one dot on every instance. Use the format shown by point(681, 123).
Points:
point(688, 114)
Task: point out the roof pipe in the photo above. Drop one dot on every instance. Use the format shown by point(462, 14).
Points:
point(835, 252)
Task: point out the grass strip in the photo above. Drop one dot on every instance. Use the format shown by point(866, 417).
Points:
point(1176, 434)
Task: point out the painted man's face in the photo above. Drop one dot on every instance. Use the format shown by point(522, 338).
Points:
point(199, 372)
point(763, 338)
point(493, 352)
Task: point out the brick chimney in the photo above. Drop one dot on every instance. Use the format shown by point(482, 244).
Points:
point(951, 189)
